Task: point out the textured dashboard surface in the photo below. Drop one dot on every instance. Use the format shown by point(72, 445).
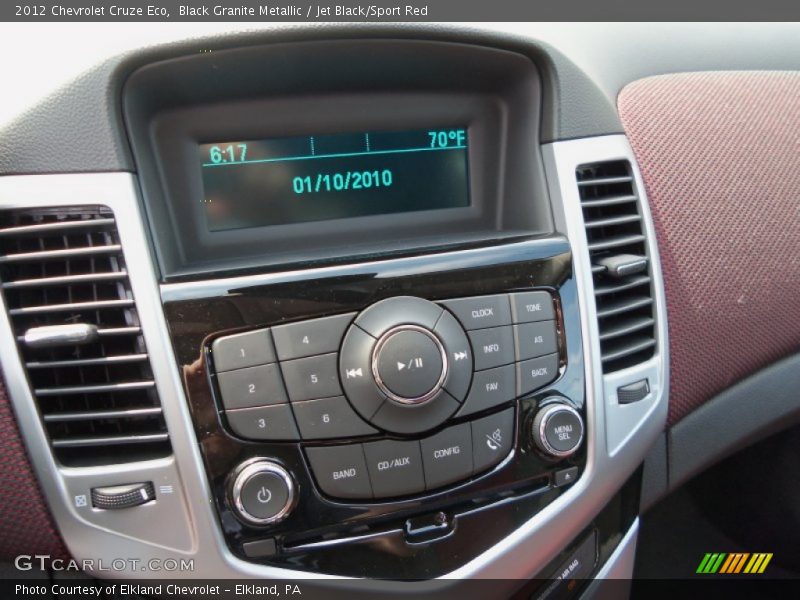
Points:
point(720, 158)
point(26, 526)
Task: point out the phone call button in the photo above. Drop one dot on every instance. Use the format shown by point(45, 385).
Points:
point(492, 439)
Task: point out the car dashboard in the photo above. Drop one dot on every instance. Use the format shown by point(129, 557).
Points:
point(408, 304)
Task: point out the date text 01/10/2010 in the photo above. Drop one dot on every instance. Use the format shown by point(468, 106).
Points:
point(343, 181)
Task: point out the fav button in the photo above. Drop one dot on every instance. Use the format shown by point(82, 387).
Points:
point(447, 456)
point(395, 468)
point(481, 311)
point(492, 439)
point(340, 471)
point(490, 388)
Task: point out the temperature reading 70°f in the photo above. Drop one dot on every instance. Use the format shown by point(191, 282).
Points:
point(448, 138)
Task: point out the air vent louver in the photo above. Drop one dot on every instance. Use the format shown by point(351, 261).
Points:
point(620, 263)
point(96, 396)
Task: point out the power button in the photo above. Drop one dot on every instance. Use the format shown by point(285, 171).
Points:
point(263, 492)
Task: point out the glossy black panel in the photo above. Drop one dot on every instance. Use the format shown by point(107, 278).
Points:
point(368, 539)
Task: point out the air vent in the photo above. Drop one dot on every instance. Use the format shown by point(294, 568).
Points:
point(620, 263)
point(71, 308)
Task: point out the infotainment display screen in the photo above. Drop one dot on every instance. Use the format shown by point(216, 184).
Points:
point(321, 177)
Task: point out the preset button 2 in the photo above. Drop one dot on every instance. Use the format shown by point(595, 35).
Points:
point(254, 386)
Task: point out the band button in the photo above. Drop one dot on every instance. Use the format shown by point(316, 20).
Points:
point(340, 471)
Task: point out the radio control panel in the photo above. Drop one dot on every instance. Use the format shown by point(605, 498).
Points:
point(402, 366)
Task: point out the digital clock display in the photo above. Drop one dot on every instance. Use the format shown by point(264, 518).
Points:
point(321, 177)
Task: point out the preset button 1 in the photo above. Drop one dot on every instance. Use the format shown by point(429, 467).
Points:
point(243, 350)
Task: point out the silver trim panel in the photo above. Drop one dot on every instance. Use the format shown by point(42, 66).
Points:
point(617, 438)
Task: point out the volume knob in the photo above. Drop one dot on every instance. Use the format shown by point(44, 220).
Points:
point(557, 430)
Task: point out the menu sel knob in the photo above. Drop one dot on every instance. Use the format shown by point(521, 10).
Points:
point(557, 430)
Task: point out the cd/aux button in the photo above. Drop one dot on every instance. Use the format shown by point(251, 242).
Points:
point(395, 468)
